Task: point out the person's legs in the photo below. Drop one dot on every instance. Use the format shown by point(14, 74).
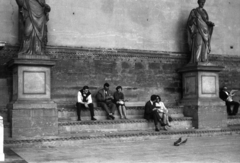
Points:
point(156, 119)
point(104, 106)
point(112, 107)
point(229, 112)
point(167, 120)
point(124, 111)
point(235, 107)
point(79, 108)
point(91, 108)
point(120, 111)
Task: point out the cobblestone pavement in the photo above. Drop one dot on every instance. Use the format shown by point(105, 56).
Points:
point(197, 149)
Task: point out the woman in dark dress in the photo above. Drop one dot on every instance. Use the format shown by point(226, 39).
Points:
point(120, 102)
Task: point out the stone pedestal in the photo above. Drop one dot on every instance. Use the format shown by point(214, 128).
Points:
point(201, 96)
point(32, 112)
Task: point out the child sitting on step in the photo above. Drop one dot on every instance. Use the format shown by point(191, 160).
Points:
point(163, 112)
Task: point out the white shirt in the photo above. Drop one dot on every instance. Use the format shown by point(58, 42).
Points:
point(161, 107)
point(80, 98)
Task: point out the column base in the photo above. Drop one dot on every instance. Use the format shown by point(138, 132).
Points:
point(207, 117)
point(33, 119)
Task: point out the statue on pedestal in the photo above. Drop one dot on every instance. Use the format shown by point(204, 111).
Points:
point(199, 33)
point(33, 17)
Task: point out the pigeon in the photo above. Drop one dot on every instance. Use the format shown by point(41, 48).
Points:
point(177, 143)
point(184, 141)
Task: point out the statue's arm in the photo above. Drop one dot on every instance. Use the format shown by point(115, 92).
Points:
point(191, 21)
point(207, 20)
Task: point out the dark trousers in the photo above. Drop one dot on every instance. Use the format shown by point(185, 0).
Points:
point(235, 107)
point(109, 107)
point(155, 117)
point(81, 106)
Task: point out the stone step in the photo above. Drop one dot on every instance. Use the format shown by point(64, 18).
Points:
point(119, 125)
point(134, 111)
point(88, 138)
point(233, 120)
point(64, 125)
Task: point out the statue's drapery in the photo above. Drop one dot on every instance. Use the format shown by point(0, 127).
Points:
point(33, 16)
point(199, 35)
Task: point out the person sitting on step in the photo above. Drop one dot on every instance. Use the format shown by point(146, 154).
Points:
point(227, 97)
point(84, 100)
point(105, 101)
point(120, 102)
point(163, 112)
point(150, 111)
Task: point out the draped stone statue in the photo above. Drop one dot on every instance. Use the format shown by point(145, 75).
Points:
point(199, 33)
point(33, 17)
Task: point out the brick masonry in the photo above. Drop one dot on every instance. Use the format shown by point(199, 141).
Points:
point(141, 73)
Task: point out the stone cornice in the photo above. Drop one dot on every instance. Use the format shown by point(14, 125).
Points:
point(79, 52)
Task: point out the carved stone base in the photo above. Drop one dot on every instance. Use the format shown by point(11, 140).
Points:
point(201, 96)
point(30, 119)
point(32, 111)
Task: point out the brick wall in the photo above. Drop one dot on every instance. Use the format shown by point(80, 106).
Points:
point(141, 73)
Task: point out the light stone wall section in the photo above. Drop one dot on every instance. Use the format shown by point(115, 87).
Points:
point(130, 24)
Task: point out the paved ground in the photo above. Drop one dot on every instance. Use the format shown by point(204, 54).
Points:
point(197, 149)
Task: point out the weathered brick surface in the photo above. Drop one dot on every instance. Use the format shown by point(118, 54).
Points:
point(141, 73)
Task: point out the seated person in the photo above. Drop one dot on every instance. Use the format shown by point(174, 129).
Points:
point(105, 101)
point(227, 97)
point(163, 112)
point(84, 100)
point(150, 112)
point(120, 102)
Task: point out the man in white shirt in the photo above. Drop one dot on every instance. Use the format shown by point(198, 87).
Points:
point(84, 100)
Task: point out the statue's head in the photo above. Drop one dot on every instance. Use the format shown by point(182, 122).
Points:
point(201, 3)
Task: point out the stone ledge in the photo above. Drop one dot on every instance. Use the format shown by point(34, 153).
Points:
point(137, 135)
point(69, 123)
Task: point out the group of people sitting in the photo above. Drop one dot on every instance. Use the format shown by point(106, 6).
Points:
point(109, 102)
point(154, 109)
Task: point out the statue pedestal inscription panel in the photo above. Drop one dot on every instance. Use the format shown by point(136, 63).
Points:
point(32, 111)
point(201, 96)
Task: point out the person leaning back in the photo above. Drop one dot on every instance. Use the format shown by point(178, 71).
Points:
point(227, 97)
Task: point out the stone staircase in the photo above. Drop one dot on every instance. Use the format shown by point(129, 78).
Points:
point(73, 132)
point(68, 124)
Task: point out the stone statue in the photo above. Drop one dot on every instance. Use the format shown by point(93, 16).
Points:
point(199, 33)
point(33, 17)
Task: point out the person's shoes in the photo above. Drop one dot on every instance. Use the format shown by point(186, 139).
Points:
point(169, 125)
point(157, 129)
point(165, 128)
point(177, 143)
point(79, 120)
point(111, 116)
point(93, 119)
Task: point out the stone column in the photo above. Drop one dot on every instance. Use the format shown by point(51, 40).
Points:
point(32, 112)
point(2, 156)
point(201, 96)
